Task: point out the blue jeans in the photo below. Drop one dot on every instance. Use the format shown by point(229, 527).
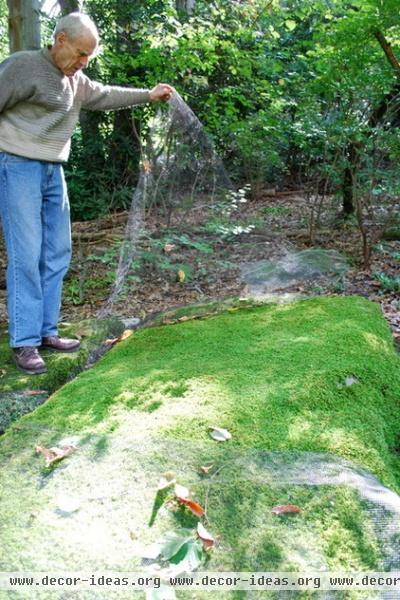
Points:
point(34, 211)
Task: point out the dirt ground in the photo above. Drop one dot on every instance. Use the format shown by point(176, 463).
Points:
point(210, 260)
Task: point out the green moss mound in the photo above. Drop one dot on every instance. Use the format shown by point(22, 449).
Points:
point(317, 376)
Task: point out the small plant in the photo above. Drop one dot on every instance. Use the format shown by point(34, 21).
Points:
point(388, 283)
point(73, 292)
point(381, 247)
point(275, 210)
point(110, 257)
point(222, 223)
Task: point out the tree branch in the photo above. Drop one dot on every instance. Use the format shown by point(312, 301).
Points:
point(387, 48)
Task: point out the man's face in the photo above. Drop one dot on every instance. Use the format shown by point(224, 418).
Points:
point(72, 55)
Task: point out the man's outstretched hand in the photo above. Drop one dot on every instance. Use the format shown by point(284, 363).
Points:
point(162, 91)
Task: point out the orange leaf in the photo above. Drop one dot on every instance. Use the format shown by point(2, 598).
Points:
point(282, 509)
point(54, 454)
point(182, 494)
point(193, 506)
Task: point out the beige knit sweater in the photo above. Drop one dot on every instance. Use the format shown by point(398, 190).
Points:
point(39, 105)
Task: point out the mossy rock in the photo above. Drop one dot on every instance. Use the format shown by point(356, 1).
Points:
point(312, 378)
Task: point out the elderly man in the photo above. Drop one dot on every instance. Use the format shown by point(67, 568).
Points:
point(41, 94)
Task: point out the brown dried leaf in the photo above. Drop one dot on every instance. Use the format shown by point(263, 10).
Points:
point(125, 334)
point(146, 164)
point(120, 338)
point(55, 454)
point(206, 469)
point(169, 248)
point(205, 536)
point(282, 509)
point(35, 392)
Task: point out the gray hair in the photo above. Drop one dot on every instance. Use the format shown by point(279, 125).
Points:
point(75, 24)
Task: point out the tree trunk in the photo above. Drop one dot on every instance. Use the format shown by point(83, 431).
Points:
point(374, 120)
point(186, 6)
point(348, 180)
point(24, 24)
point(125, 146)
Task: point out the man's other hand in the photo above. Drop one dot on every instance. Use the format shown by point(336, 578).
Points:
point(162, 91)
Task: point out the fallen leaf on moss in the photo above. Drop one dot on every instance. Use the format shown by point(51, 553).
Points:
point(35, 392)
point(282, 509)
point(194, 507)
point(182, 495)
point(181, 276)
point(166, 480)
point(206, 537)
point(120, 338)
point(220, 435)
point(125, 334)
point(55, 454)
point(181, 492)
point(169, 247)
point(206, 469)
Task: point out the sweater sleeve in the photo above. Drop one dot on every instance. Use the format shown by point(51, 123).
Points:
point(14, 83)
point(96, 96)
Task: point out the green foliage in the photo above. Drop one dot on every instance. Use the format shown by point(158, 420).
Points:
point(388, 283)
point(283, 88)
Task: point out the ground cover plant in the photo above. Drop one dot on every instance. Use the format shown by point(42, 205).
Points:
point(317, 376)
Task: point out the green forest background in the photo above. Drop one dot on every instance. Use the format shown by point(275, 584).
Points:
point(293, 93)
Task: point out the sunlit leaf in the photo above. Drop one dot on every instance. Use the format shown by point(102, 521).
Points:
point(220, 435)
point(188, 558)
point(206, 469)
point(206, 537)
point(290, 24)
point(181, 492)
point(166, 480)
point(181, 275)
point(55, 454)
point(173, 542)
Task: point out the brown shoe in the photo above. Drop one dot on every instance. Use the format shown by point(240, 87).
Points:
point(58, 344)
point(28, 360)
